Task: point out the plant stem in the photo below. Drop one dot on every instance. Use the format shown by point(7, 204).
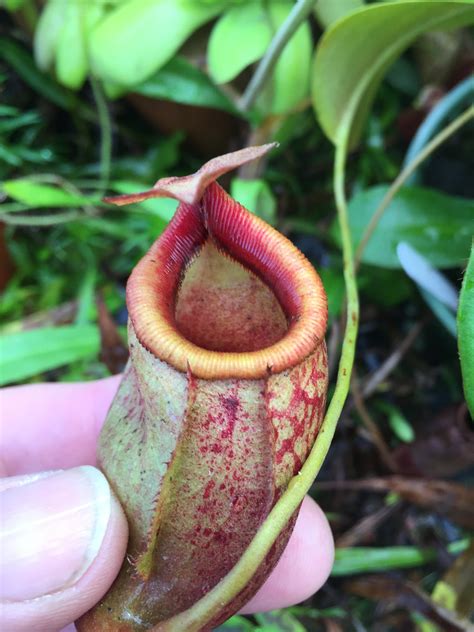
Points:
point(105, 134)
point(406, 173)
point(297, 15)
point(41, 220)
point(202, 612)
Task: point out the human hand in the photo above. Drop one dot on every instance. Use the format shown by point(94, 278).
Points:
point(63, 533)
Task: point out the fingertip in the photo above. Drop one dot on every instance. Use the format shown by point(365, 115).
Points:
point(49, 598)
point(304, 566)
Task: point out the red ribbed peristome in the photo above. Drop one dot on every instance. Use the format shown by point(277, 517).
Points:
point(153, 286)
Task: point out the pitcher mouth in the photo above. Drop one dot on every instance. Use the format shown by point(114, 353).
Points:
point(165, 307)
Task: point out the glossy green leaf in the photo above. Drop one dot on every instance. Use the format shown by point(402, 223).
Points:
point(139, 37)
point(355, 53)
point(439, 226)
point(239, 38)
point(28, 353)
point(256, 196)
point(329, 11)
point(48, 29)
point(39, 195)
point(465, 322)
point(242, 36)
point(352, 560)
point(182, 82)
point(72, 58)
point(71, 53)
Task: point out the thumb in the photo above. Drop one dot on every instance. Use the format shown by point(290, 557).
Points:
point(62, 540)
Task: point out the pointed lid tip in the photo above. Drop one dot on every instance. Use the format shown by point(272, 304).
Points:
point(190, 189)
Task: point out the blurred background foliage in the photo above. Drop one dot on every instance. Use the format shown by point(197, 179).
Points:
point(108, 96)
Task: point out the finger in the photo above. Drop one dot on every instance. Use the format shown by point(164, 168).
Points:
point(63, 539)
point(52, 426)
point(304, 566)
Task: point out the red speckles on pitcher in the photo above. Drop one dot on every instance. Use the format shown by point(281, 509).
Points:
point(296, 401)
point(219, 406)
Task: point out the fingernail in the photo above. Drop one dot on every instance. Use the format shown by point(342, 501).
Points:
point(52, 529)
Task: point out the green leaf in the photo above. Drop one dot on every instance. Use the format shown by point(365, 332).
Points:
point(439, 226)
point(11, 123)
point(139, 37)
point(352, 560)
point(329, 11)
point(86, 310)
point(279, 621)
point(48, 29)
point(383, 286)
point(401, 427)
point(239, 38)
point(333, 282)
point(28, 353)
point(9, 157)
point(181, 82)
point(399, 424)
point(72, 58)
point(242, 36)
point(39, 195)
point(256, 196)
point(13, 5)
point(71, 53)
point(236, 624)
point(355, 53)
point(465, 322)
